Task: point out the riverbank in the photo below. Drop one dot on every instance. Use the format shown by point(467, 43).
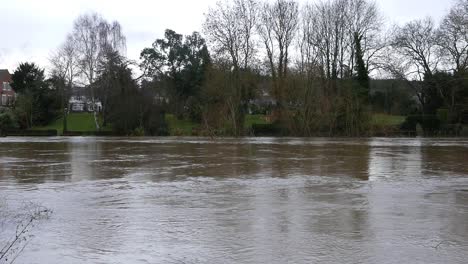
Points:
point(82, 124)
point(76, 122)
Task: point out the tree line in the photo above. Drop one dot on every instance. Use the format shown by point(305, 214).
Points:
point(315, 61)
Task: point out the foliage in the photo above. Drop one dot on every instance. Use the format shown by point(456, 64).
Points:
point(178, 64)
point(362, 74)
point(24, 110)
point(443, 116)
point(429, 123)
point(38, 101)
point(264, 130)
point(94, 38)
point(28, 77)
point(7, 120)
point(307, 67)
point(127, 108)
point(392, 97)
point(225, 97)
point(353, 115)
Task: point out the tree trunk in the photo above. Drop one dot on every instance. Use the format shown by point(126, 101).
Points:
point(64, 109)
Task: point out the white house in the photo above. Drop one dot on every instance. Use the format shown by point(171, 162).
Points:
point(83, 104)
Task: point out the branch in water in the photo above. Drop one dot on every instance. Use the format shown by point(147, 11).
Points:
point(11, 247)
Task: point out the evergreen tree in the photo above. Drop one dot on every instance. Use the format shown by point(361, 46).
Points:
point(362, 74)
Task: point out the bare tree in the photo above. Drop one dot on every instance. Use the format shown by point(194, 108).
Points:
point(329, 34)
point(309, 73)
point(278, 27)
point(416, 42)
point(334, 28)
point(65, 68)
point(229, 28)
point(412, 56)
point(334, 36)
point(366, 27)
point(452, 37)
point(94, 37)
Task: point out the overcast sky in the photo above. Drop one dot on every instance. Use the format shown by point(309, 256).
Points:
point(32, 29)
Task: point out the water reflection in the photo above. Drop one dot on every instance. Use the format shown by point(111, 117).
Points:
point(395, 162)
point(81, 159)
point(84, 153)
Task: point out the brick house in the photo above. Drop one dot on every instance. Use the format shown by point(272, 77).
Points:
point(7, 95)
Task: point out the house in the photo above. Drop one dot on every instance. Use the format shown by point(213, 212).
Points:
point(264, 101)
point(7, 95)
point(81, 103)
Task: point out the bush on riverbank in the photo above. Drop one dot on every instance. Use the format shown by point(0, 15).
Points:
point(7, 120)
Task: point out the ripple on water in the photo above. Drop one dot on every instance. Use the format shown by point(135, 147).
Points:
point(253, 200)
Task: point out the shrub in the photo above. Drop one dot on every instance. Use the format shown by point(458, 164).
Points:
point(266, 129)
point(8, 120)
point(429, 123)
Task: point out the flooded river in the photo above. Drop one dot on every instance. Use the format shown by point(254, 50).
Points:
point(254, 200)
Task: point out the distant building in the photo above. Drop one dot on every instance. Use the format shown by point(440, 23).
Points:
point(81, 103)
point(7, 95)
point(264, 100)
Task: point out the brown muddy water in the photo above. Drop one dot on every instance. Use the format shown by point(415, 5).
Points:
point(253, 200)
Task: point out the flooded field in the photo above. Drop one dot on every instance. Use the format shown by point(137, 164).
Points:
point(253, 200)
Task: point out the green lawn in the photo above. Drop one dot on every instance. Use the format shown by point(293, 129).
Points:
point(387, 120)
point(255, 119)
point(84, 122)
point(180, 127)
point(79, 122)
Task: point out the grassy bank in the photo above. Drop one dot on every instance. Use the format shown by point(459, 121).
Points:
point(387, 120)
point(381, 124)
point(251, 120)
point(78, 122)
point(180, 127)
point(384, 125)
point(84, 122)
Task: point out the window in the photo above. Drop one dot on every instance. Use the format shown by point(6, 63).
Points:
point(4, 99)
point(6, 86)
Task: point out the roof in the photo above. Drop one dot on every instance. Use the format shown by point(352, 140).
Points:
point(4, 74)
